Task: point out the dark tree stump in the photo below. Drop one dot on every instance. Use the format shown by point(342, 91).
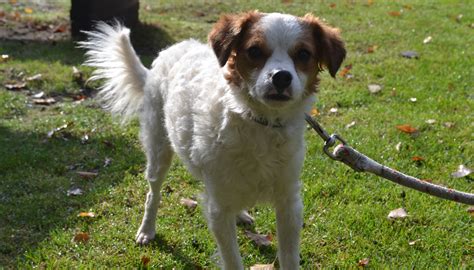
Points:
point(85, 13)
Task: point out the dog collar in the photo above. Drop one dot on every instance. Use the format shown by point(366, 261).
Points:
point(264, 122)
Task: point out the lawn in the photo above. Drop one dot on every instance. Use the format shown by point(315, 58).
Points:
point(70, 146)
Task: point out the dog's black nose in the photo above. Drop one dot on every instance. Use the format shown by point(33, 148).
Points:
point(281, 80)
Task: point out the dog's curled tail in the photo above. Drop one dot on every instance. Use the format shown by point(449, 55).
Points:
point(110, 51)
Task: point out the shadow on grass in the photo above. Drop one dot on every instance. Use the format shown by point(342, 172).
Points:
point(36, 174)
point(147, 39)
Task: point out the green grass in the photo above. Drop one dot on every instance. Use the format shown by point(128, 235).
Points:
point(345, 212)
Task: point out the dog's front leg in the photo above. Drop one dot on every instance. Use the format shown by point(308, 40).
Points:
point(223, 225)
point(289, 224)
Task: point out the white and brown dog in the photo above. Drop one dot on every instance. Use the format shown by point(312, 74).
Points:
point(236, 120)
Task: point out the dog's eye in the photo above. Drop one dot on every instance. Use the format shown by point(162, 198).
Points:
point(254, 52)
point(303, 55)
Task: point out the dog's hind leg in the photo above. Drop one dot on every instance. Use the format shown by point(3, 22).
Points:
point(159, 156)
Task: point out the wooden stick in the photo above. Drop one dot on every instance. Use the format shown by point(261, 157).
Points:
point(361, 163)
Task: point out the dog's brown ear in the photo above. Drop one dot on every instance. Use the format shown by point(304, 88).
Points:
point(330, 48)
point(227, 32)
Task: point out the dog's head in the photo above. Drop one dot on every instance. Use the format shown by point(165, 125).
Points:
point(276, 57)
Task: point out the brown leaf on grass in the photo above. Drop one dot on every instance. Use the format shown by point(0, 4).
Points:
point(345, 71)
point(145, 260)
point(28, 10)
point(332, 5)
point(399, 213)
point(406, 128)
point(86, 214)
point(462, 171)
point(87, 175)
point(470, 210)
point(15, 86)
point(370, 2)
point(262, 267)
point(60, 28)
point(81, 237)
point(44, 101)
point(189, 203)
point(417, 158)
point(363, 262)
point(314, 112)
point(371, 48)
point(260, 239)
point(395, 13)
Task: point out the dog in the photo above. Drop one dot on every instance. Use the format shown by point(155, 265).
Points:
point(232, 110)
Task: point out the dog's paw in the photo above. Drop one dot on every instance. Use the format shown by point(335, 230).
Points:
point(245, 219)
point(144, 237)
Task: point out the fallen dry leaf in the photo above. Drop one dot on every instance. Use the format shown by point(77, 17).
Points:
point(470, 210)
point(398, 147)
point(189, 203)
point(411, 243)
point(145, 260)
point(449, 124)
point(28, 10)
point(38, 95)
point(59, 130)
point(81, 237)
point(462, 171)
point(260, 239)
point(86, 214)
point(44, 101)
point(262, 267)
point(363, 262)
point(60, 28)
point(345, 71)
point(34, 77)
point(4, 58)
point(407, 128)
point(427, 40)
point(417, 158)
point(107, 162)
point(332, 5)
point(87, 175)
point(15, 86)
point(374, 88)
point(395, 13)
point(314, 112)
point(75, 192)
point(371, 48)
point(399, 213)
point(351, 124)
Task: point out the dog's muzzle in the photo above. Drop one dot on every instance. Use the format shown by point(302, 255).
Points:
point(281, 81)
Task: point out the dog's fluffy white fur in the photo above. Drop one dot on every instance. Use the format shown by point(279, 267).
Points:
point(223, 111)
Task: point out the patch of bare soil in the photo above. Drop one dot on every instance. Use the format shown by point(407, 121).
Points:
point(17, 24)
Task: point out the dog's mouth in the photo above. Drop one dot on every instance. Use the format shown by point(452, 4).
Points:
point(277, 97)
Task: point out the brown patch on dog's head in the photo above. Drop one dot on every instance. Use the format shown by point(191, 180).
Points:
point(227, 33)
point(330, 50)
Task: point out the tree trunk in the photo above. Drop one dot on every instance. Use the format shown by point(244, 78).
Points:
point(85, 13)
